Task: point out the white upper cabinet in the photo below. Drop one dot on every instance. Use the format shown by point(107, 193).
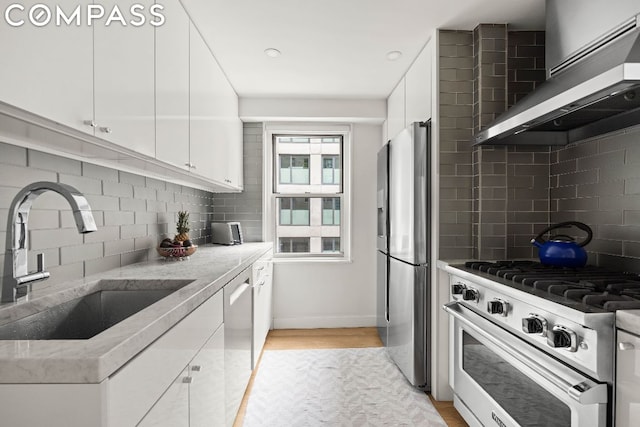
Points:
point(396, 110)
point(216, 131)
point(140, 83)
point(418, 87)
point(124, 81)
point(172, 86)
point(205, 115)
point(48, 70)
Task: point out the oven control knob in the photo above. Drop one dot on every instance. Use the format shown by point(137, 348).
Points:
point(498, 306)
point(457, 288)
point(534, 324)
point(562, 337)
point(470, 294)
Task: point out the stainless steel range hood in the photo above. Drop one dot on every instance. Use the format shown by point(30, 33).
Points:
point(594, 91)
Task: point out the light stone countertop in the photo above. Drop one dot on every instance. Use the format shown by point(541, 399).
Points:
point(93, 360)
point(629, 320)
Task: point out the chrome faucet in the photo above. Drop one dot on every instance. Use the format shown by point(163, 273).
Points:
point(17, 235)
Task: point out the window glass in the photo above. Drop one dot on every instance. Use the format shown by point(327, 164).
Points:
point(331, 211)
point(293, 244)
point(294, 211)
point(330, 244)
point(308, 193)
point(330, 169)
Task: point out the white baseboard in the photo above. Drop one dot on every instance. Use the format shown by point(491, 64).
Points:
point(324, 322)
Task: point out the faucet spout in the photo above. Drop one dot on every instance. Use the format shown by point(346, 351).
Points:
point(17, 232)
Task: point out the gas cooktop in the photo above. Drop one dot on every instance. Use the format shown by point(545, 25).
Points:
point(594, 287)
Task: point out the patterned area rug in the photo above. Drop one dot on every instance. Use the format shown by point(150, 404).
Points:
point(345, 387)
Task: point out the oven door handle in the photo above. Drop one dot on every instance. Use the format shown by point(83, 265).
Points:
point(586, 392)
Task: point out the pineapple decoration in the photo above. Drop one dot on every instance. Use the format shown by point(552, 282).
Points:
point(182, 227)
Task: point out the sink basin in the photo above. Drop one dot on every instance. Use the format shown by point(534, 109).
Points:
point(83, 317)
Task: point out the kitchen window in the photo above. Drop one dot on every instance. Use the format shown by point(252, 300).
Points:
point(307, 172)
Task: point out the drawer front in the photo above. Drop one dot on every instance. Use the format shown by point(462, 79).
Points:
point(139, 384)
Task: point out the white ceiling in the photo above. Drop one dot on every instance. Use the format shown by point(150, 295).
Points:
point(337, 48)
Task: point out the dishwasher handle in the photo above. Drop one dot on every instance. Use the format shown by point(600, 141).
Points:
point(237, 293)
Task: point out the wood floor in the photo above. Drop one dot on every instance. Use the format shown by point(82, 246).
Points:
point(304, 339)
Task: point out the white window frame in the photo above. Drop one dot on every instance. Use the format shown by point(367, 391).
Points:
point(269, 198)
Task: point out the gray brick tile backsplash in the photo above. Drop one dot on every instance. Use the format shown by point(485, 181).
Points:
point(52, 238)
point(130, 178)
point(245, 207)
point(71, 254)
point(40, 160)
point(127, 231)
point(100, 265)
point(84, 185)
point(99, 172)
point(12, 155)
point(117, 189)
point(19, 176)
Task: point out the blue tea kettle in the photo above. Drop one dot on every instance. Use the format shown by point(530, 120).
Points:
point(562, 250)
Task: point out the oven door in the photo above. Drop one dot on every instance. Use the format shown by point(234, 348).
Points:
point(501, 380)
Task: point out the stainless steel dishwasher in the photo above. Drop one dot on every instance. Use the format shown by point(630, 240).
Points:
point(238, 325)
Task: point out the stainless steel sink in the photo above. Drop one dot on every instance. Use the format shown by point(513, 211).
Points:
point(83, 317)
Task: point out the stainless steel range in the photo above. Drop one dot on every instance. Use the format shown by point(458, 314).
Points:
point(534, 345)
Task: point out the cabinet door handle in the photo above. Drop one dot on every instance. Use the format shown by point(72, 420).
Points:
point(196, 368)
point(90, 123)
point(624, 346)
point(187, 380)
point(190, 165)
point(105, 129)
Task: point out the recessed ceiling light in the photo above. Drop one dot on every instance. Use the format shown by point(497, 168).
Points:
point(272, 53)
point(393, 55)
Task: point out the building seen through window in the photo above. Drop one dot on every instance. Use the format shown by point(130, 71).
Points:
point(308, 193)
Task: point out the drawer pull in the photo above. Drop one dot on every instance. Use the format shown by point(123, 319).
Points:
point(187, 380)
point(196, 368)
point(624, 346)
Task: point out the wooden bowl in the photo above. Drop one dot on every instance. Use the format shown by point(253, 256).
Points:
point(177, 252)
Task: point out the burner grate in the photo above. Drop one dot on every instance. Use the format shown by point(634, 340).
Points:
point(593, 286)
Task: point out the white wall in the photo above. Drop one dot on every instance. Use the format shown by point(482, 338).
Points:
point(338, 294)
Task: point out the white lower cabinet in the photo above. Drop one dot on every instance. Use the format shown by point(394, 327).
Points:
point(262, 303)
point(172, 410)
point(206, 391)
point(138, 385)
point(196, 396)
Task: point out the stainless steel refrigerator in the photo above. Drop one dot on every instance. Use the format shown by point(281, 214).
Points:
point(403, 270)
